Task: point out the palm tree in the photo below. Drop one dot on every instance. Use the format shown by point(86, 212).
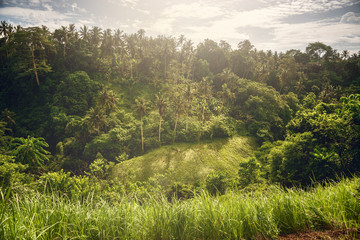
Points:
point(84, 33)
point(141, 38)
point(34, 39)
point(95, 36)
point(189, 92)
point(96, 120)
point(226, 95)
point(161, 104)
point(132, 50)
point(107, 43)
point(205, 93)
point(30, 150)
point(141, 108)
point(7, 116)
point(4, 29)
point(118, 36)
point(178, 105)
point(107, 100)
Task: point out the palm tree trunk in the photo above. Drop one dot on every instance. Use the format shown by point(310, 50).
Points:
point(142, 135)
point(176, 121)
point(131, 70)
point(33, 59)
point(160, 130)
point(165, 69)
point(203, 114)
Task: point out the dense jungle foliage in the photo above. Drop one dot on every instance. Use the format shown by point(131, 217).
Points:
point(82, 100)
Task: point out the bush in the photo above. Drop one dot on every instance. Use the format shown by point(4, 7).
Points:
point(10, 171)
point(217, 183)
point(62, 184)
point(100, 168)
point(59, 182)
point(249, 172)
point(220, 126)
point(179, 191)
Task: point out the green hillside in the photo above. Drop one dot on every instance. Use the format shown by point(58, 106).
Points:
point(188, 162)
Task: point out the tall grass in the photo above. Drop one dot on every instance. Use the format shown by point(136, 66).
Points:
point(236, 215)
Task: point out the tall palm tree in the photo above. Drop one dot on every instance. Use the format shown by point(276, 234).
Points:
point(6, 30)
point(141, 108)
point(30, 151)
point(161, 104)
point(188, 55)
point(178, 105)
point(189, 92)
point(84, 33)
point(205, 93)
point(96, 120)
point(31, 40)
point(107, 43)
point(7, 116)
point(132, 50)
point(108, 100)
point(96, 36)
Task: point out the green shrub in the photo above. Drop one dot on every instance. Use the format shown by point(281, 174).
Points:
point(249, 172)
point(179, 191)
point(100, 167)
point(56, 182)
point(10, 171)
point(217, 183)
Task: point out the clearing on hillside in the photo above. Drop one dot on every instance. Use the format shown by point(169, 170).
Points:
point(188, 162)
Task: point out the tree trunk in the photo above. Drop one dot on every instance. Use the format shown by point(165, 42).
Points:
point(165, 68)
point(142, 135)
point(160, 130)
point(176, 121)
point(203, 114)
point(33, 59)
point(131, 70)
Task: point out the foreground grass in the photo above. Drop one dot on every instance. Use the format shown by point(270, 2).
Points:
point(232, 216)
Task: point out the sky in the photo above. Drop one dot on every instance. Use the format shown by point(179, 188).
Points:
point(276, 25)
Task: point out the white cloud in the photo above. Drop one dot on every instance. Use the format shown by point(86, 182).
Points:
point(74, 8)
point(31, 15)
point(213, 20)
point(295, 36)
point(198, 10)
point(163, 26)
point(124, 3)
point(229, 20)
point(350, 17)
point(34, 17)
point(47, 7)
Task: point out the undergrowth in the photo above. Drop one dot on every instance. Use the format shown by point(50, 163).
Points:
point(236, 215)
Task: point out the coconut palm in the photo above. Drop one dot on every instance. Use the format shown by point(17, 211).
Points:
point(96, 120)
point(161, 104)
point(96, 36)
point(84, 33)
point(107, 99)
point(31, 40)
point(178, 105)
point(142, 107)
point(7, 116)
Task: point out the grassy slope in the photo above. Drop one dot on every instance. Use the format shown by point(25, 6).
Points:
point(188, 162)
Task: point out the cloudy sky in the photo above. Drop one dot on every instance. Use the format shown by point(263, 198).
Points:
point(269, 24)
